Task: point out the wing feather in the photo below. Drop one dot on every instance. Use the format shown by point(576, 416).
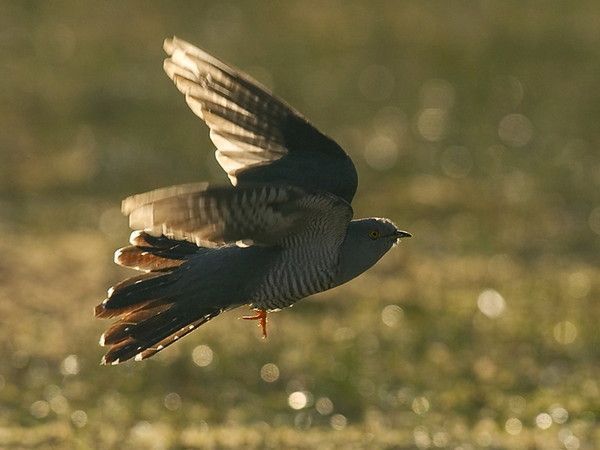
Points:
point(212, 216)
point(259, 138)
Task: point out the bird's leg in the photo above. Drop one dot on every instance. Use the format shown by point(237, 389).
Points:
point(261, 316)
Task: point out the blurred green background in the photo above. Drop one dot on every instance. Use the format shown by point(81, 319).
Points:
point(474, 125)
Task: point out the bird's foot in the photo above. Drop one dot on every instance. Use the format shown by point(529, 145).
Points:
point(261, 316)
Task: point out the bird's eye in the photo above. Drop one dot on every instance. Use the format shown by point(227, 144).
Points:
point(373, 234)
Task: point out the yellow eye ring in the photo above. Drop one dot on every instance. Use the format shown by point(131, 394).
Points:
point(374, 234)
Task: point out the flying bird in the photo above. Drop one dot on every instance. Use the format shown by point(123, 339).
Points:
point(282, 231)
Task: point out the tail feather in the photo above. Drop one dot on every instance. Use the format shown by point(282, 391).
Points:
point(154, 253)
point(133, 280)
point(183, 287)
point(145, 338)
point(135, 292)
point(121, 329)
point(162, 344)
point(144, 239)
point(142, 259)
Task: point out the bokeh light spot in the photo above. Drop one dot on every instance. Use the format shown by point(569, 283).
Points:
point(381, 152)
point(297, 400)
point(565, 332)
point(594, 220)
point(324, 406)
point(571, 442)
point(269, 372)
point(172, 401)
point(517, 404)
point(559, 414)
point(344, 334)
point(515, 130)
point(484, 368)
point(39, 409)
point(59, 404)
point(432, 124)
point(421, 437)
point(440, 439)
point(513, 426)
point(579, 284)
point(79, 418)
point(437, 93)
point(202, 355)
point(391, 121)
point(70, 365)
point(491, 303)
point(543, 421)
point(420, 405)
point(391, 315)
point(338, 422)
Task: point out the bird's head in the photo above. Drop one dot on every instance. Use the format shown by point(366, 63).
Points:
point(367, 240)
point(381, 232)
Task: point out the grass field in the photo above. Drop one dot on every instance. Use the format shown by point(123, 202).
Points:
point(475, 127)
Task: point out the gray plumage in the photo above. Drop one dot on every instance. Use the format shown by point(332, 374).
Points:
point(283, 231)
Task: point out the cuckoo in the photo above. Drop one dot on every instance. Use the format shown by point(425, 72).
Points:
point(282, 230)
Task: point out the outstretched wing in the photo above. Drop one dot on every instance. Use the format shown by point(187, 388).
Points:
point(253, 214)
point(259, 138)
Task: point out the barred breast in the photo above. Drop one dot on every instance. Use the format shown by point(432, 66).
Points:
point(307, 264)
point(297, 273)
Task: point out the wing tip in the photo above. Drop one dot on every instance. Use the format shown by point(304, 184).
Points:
point(169, 44)
point(142, 217)
point(134, 202)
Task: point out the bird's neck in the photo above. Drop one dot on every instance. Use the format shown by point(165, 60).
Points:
point(353, 260)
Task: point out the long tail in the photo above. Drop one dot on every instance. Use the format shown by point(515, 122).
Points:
point(152, 309)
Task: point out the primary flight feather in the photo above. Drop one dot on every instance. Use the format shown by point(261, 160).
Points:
point(281, 232)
